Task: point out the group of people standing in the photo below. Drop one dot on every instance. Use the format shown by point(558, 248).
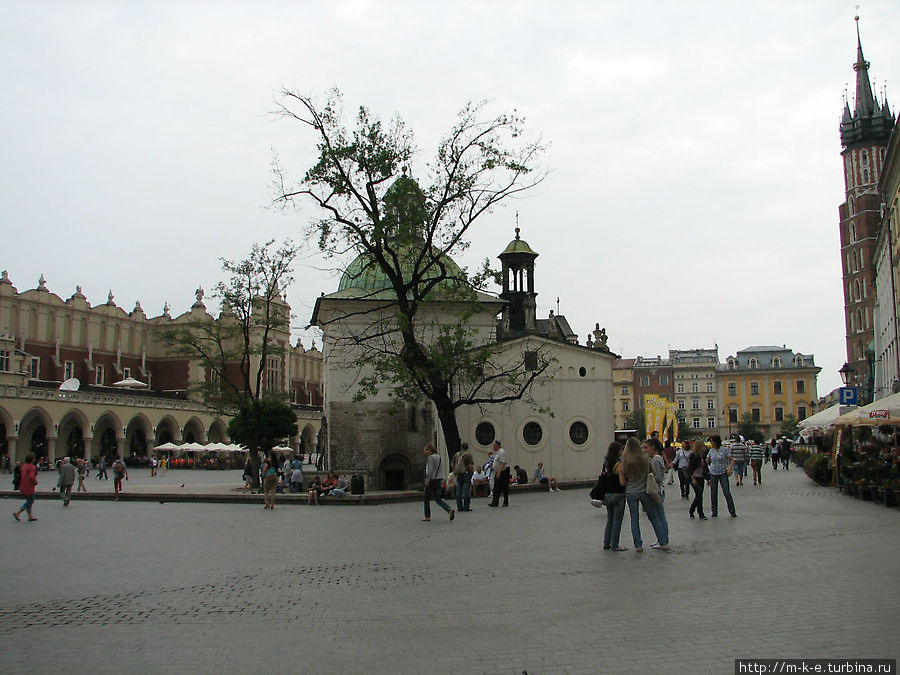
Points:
point(697, 467)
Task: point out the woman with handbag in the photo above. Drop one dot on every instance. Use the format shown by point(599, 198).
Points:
point(434, 478)
point(697, 471)
point(613, 498)
point(635, 474)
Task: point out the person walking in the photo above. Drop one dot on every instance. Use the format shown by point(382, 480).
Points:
point(119, 472)
point(721, 466)
point(774, 455)
point(740, 455)
point(434, 479)
point(682, 457)
point(697, 470)
point(66, 480)
point(500, 467)
point(633, 471)
point(27, 484)
point(270, 480)
point(653, 449)
point(613, 499)
point(757, 456)
point(463, 465)
point(101, 469)
point(668, 453)
point(81, 469)
point(297, 475)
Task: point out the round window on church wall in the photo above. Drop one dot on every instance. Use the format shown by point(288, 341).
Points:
point(578, 433)
point(484, 433)
point(532, 433)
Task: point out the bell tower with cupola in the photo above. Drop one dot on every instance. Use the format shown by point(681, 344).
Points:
point(865, 132)
point(518, 289)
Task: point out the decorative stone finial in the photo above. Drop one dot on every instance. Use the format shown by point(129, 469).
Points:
point(137, 306)
point(4, 278)
point(166, 308)
point(42, 284)
point(110, 298)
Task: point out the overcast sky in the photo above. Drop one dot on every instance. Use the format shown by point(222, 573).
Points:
point(695, 168)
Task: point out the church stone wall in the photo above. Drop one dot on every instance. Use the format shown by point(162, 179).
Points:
point(363, 435)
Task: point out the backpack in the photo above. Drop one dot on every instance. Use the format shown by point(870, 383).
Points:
point(460, 467)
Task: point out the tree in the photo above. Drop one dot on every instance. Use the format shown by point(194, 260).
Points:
point(749, 428)
point(234, 350)
point(367, 205)
point(637, 421)
point(790, 425)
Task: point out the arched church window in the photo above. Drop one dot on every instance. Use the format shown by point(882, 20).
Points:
point(852, 325)
point(856, 287)
point(865, 158)
point(852, 233)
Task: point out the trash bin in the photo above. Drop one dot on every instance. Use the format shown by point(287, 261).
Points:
point(357, 485)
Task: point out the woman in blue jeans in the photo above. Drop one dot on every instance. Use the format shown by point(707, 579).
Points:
point(633, 472)
point(614, 500)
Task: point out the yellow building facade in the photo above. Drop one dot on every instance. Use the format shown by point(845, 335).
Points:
point(769, 384)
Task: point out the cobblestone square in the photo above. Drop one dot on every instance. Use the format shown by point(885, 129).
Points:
point(150, 587)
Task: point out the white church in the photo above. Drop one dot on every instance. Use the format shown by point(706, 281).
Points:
point(567, 423)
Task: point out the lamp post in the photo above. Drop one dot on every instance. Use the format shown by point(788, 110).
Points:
point(846, 373)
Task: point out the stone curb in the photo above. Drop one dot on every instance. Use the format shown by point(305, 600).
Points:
point(372, 498)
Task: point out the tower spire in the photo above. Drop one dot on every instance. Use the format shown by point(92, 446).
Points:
point(865, 101)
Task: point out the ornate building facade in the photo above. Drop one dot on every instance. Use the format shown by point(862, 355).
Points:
point(46, 341)
point(865, 132)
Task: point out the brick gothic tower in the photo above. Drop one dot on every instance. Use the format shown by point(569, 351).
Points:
point(865, 132)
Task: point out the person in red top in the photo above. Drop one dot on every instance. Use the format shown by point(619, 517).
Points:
point(27, 484)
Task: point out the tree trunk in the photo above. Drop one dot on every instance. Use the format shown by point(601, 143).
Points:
point(447, 415)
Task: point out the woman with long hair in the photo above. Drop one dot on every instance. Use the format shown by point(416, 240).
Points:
point(614, 500)
point(697, 471)
point(434, 478)
point(633, 471)
point(653, 449)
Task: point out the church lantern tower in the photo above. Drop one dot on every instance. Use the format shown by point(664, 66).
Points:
point(518, 289)
point(865, 132)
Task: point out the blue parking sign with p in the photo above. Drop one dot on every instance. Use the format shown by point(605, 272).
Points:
point(849, 396)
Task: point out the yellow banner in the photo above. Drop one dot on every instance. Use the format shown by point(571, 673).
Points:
point(659, 415)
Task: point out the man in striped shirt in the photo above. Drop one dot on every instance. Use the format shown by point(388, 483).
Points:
point(757, 457)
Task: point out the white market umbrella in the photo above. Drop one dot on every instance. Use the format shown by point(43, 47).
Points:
point(883, 411)
point(166, 447)
point(130, 383)
point(822, 419)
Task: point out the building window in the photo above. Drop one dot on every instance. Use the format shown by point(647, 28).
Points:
point(779, 414)
point(126, 373)
point(755, 413)
point(624, 389)
point(645, 381)
point(532, 433)
point(34, 368)
point(68, 370)
point(578, 433)
point(680, 404)
point(776, 362)
point(695, 404)
point(695, 423)
point(531, 360)
point(626, 406)
point(710, 422)
point(801, 412)
point(99, 375)
point(754, 364)
point(273, 379)
point(663, 380)
point(776, 387)
point(710, 387)
point(484, 433)
point(801, 386)
point(680, 388)
point(754, 388)
point(732, 416)
point(732, 389)
point(5, 355)
point(710, 404)
point(695, 387)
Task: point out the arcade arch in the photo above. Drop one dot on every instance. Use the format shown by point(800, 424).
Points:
point(71, 434)
point(34, 433)
point(167, 431)
point(107, 437)
point(137, 433)
point(193, 431)
point(217, 432)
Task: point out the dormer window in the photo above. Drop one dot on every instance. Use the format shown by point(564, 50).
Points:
point(776, 362)
point(754, 364)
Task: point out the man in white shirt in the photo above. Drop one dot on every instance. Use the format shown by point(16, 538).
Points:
point(501, 476)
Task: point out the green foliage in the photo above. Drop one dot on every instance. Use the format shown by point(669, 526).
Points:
point(790, 426)
point(748, 428)
point(233, 349)
point(816, 467)
point(636, 420)
point(263, 425)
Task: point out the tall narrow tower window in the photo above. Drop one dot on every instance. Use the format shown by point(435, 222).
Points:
point(852, 233)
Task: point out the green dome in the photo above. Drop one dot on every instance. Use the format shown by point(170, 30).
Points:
point(518, 246)
point(363, 273)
